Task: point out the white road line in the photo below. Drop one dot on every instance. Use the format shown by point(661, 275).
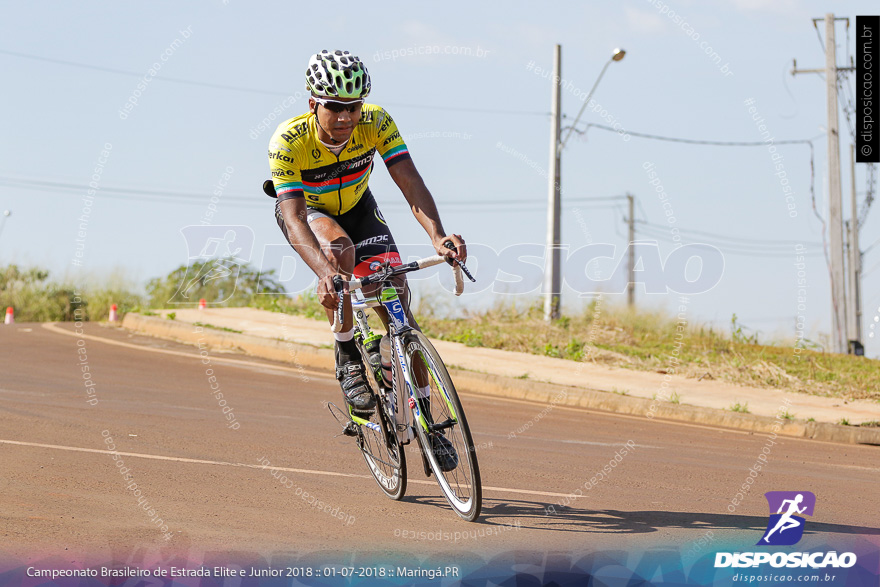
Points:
point(286, 469)
point(50, 326)
point(588, 442)
point(476, 397)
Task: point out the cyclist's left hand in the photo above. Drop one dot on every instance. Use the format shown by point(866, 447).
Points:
point(460, 251)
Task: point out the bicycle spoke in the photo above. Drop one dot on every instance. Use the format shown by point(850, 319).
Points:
point(377, 441)
point(460, 485)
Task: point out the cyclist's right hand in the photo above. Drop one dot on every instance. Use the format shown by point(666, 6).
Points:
point(326, 291)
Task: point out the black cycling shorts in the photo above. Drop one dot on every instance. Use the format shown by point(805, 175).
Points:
point(365, 226)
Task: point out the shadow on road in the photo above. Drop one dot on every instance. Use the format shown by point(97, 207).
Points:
point(534, 515)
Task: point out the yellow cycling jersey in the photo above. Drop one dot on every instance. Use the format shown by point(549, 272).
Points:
point(303, 167)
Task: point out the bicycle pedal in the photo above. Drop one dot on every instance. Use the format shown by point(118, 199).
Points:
point(405, 434)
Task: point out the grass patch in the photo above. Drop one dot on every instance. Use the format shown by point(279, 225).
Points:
point(786, 415)
point(741, 408)
point(305, 305)
point(843, 422)
point(646, 341)
point(223, 328)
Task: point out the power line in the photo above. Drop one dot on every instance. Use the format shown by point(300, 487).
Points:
point(258, 199)
point(252, 90)
point(139, 75)
point(735, 239)
point(874, 244)
point(697, 141)
point(808, 142)
point(733, 249)
point(865, 273)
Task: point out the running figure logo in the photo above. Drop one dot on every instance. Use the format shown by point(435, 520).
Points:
point(784, 527)
point(216, 255)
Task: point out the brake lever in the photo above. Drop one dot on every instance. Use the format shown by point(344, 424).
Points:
point(340, 308)
point(451, 260)
point(465, 270)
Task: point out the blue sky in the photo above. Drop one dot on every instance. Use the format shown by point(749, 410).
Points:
point(476, 119)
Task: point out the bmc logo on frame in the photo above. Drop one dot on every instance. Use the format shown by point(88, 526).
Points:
point(785, 528)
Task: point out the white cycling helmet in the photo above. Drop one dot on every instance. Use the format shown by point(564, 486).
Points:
point(337, 75)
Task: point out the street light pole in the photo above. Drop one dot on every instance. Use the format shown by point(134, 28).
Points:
point(631, 281)
point(552, 281)
point(553, 273)
point(616, 56)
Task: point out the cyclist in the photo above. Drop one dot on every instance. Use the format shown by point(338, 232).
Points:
point(321, 163)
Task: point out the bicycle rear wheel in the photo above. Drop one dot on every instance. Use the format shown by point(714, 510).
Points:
point(444, 415)
point(379, 444)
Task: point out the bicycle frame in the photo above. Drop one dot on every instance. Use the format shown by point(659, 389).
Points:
point(398, 326)
point(408, 344)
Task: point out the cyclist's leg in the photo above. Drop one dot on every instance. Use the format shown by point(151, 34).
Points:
point(337, 247)
point(375, 244)
point(335, 243)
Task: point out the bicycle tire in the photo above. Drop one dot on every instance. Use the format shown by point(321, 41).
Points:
point(381, 448)
point(461, 486)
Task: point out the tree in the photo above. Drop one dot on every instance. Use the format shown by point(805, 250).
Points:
point(217, 281)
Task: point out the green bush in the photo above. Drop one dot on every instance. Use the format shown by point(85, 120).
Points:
point(36, 299)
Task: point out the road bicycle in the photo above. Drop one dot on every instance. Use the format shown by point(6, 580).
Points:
point(382, 434)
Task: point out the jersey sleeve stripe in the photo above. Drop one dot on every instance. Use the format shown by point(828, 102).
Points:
point(395, 152)
point(284, 188)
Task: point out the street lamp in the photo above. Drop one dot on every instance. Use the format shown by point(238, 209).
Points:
point(552, 278)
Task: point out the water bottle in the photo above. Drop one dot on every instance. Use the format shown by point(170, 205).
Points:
point(371, 347)
point(385, 360)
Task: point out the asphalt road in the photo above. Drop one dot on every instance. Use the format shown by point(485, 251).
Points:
point(63, 495)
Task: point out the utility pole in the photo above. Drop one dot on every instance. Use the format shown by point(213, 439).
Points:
point(552, 281)
point(835, 216)
point(553, 273)
point(631, 285)
point(854, 301)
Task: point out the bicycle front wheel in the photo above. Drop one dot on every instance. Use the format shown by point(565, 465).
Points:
point(439, 419)
point(378, 442)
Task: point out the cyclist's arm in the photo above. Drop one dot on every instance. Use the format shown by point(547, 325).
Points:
point(304, 242)
point(301, 237)
point(407, 178)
